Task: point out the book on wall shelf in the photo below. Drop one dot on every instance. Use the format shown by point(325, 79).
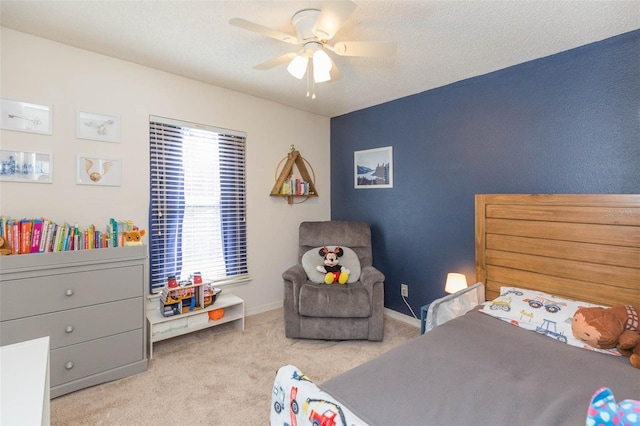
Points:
point(41, 235)
point(294, 186)
point(287, 185)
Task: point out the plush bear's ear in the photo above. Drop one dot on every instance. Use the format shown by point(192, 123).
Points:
point(142, 232)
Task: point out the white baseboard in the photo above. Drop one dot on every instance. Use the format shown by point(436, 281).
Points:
point(402, 317)
point(263, 308)
point(389, 312)
point(153, 303)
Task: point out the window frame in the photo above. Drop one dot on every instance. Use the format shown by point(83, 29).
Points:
point(167, 204)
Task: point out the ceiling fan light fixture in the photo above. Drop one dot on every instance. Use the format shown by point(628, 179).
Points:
point(298, 66)
point(321, 61)
point(321, 66)
point(320, 76)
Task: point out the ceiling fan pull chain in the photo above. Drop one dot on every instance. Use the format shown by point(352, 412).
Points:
point(311, 80)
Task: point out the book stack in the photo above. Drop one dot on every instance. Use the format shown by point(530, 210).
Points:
point(41, 235)
point(295, 186)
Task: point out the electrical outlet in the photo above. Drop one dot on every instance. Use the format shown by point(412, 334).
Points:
point(404, 290)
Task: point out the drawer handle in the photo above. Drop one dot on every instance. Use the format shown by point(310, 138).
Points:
point(69, 329)
point(69, 292)
point(69, 365)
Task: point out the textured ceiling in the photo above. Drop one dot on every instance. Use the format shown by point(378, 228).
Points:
point(439, 42)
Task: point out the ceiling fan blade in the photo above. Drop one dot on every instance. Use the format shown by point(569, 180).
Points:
point(275, 62)
point(331, 18)
point(334, 72)
point(261, 29)
point(372, 49)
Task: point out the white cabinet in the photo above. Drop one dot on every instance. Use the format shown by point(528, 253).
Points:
point(24, 399)
point(161, 328)
point(91, 305)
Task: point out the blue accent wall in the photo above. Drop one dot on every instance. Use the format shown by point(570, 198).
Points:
point(567, 123)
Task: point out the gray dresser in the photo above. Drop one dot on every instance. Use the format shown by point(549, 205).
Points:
point(90, 303)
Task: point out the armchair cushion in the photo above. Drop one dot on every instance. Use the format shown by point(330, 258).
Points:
point(311, 260)
point(334, 301)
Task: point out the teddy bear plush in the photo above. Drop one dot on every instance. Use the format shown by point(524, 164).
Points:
point(606, 328)
point(332, 269)
point(5, 247)
point(133, 238)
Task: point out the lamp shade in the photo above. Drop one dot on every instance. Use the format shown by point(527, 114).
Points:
point(298, 66)
point(455, 282)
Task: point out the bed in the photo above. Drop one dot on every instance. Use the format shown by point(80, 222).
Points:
point(481, 370)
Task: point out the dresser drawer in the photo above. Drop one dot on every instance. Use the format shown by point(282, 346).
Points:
point(76, 325)
point(38, 295)
point(96, 356)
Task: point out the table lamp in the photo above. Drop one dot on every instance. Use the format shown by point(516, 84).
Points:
point(455, 282)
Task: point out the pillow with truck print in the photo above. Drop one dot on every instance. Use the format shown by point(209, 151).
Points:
point(540, 312)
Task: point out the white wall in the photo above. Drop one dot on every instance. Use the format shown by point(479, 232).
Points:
point(44, 72)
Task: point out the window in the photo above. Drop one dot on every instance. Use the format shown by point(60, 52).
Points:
point(198, 207)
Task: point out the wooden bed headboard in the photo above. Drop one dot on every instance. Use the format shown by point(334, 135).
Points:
point(583, 247)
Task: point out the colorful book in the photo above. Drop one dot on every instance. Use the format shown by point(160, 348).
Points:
point(113, 228)
point(68, 238)
point(25, 236)
point(36, 234)
point(51, 232)
point(43, 235)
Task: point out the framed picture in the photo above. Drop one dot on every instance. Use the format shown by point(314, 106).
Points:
point(97, 171)
point(98, 127)
point(373, 168)
point(24, 166)
point(25, 117)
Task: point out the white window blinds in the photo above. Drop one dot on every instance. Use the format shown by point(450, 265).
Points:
point(198, 206)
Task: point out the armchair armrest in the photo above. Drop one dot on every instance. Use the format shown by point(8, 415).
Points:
point(371, 279)
point(295, 274)
point(370, 275)
point(293, 278)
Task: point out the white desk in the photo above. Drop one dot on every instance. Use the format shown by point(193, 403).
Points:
point(24, 383)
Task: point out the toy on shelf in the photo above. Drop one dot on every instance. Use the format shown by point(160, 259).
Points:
point(133, 237)
point(216, 314)
point(5, 247)
point(187, 296)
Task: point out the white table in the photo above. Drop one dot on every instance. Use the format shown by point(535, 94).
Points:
point(24, 383)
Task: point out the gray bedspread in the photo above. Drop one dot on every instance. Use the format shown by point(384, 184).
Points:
point(478, 370)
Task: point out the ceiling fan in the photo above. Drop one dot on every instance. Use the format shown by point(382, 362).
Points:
point(314, 30)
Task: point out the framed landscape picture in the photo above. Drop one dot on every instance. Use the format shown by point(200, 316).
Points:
point(373, 168)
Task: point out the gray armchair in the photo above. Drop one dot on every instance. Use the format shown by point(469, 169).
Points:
point(335, 311)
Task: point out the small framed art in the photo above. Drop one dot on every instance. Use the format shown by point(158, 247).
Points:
point(373, 168)
point(98, 171)
point(25, 166)
point(105, 128)
point(25, 117)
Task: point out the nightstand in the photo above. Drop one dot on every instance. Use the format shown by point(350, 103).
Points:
point(423, 317)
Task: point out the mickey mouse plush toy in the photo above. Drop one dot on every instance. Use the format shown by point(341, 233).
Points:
point(332, 269)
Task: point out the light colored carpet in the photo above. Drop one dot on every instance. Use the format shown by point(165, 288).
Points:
point(218, 378)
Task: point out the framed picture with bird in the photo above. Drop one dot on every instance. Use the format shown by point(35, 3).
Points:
point(105, 128)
